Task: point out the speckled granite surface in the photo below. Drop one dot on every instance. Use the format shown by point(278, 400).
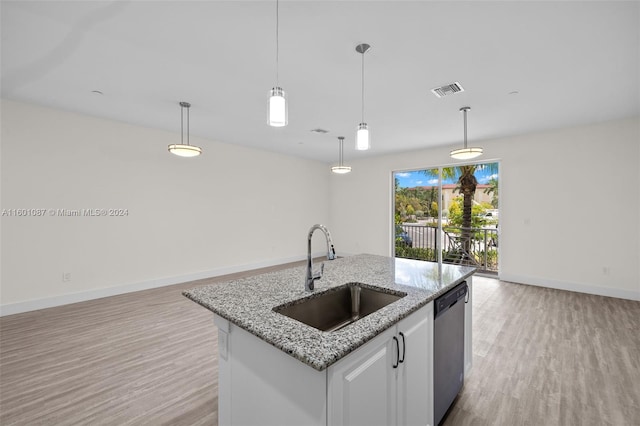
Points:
point(249, 302)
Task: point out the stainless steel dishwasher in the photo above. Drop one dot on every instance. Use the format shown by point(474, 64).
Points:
point(448, 349)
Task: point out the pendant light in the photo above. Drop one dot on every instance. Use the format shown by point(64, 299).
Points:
point(363, 141)
point(466, 153)
point(341, 168)
point(181, 149)
point(278, 110)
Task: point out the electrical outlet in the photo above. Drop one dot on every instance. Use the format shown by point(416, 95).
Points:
point(66, 277)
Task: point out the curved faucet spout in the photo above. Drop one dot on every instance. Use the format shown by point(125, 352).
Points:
point(311, 276)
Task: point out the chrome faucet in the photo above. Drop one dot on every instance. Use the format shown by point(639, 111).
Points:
point(311, 276)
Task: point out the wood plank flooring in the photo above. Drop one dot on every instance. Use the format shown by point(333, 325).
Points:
point(541, 357)
point(550, 357)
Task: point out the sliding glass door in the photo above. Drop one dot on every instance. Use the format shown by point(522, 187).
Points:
point(448, 214)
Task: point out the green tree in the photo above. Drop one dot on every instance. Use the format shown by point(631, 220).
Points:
point(492, 189)
point(486, 205)
point(407, 200)
point(456, 212)
point(433, 211)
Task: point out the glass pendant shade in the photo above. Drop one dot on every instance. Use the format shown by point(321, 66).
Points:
point(466, 153)
point(362, 137)
point(185, 150)
point(341, 169)
point(278, 111)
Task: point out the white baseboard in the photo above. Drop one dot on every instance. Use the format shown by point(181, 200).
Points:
point(571, 286)
point(65, 299)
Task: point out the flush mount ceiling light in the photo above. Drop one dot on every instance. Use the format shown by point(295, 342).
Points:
point(181, 149)
point(466, 153)
point(341, 168)
point(363, 141)
point(278, 111)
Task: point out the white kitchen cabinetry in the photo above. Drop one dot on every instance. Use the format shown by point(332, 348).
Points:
point(362, 386)
point(273, 371)
point(415, 384)
point(388, 381)
point(259, 384)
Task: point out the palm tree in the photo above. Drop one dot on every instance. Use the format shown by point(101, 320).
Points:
point(467, 184)
point(492, 189)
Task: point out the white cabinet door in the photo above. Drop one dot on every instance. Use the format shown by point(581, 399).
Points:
point(415, 381)
point(362, 386)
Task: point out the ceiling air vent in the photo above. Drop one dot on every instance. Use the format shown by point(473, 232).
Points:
point(447, 89)
point(319, 131)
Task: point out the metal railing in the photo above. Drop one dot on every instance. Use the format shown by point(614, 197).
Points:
point(476, 247)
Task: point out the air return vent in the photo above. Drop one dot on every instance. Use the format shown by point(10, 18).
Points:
point(447, 89)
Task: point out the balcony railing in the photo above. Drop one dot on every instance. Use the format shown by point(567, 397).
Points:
point(476, 247)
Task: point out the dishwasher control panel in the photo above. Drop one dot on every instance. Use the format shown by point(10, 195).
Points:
point(450, 298)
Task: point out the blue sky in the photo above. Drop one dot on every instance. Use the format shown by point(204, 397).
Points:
point(418, 178)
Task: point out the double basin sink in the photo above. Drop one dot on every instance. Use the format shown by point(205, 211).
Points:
point(339, 306)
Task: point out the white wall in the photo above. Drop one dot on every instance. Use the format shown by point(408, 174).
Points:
point(570, 206)
point(231, 209)
point(236, 208)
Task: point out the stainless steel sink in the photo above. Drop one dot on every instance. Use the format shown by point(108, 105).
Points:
point(339, 306)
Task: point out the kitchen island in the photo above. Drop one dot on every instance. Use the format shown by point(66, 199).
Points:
point(276, 370)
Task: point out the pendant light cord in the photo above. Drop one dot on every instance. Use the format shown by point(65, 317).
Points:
point(363, 87)
point(277, 43)
point(184, 105)
point(465, 127)
point(341, 149)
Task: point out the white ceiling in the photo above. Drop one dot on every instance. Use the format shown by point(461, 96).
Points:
point(570, 62)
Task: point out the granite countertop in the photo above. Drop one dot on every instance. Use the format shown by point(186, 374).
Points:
point(249, 302)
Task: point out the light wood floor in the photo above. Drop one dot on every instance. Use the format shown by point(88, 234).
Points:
point(550, 357)
point(541, 357)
